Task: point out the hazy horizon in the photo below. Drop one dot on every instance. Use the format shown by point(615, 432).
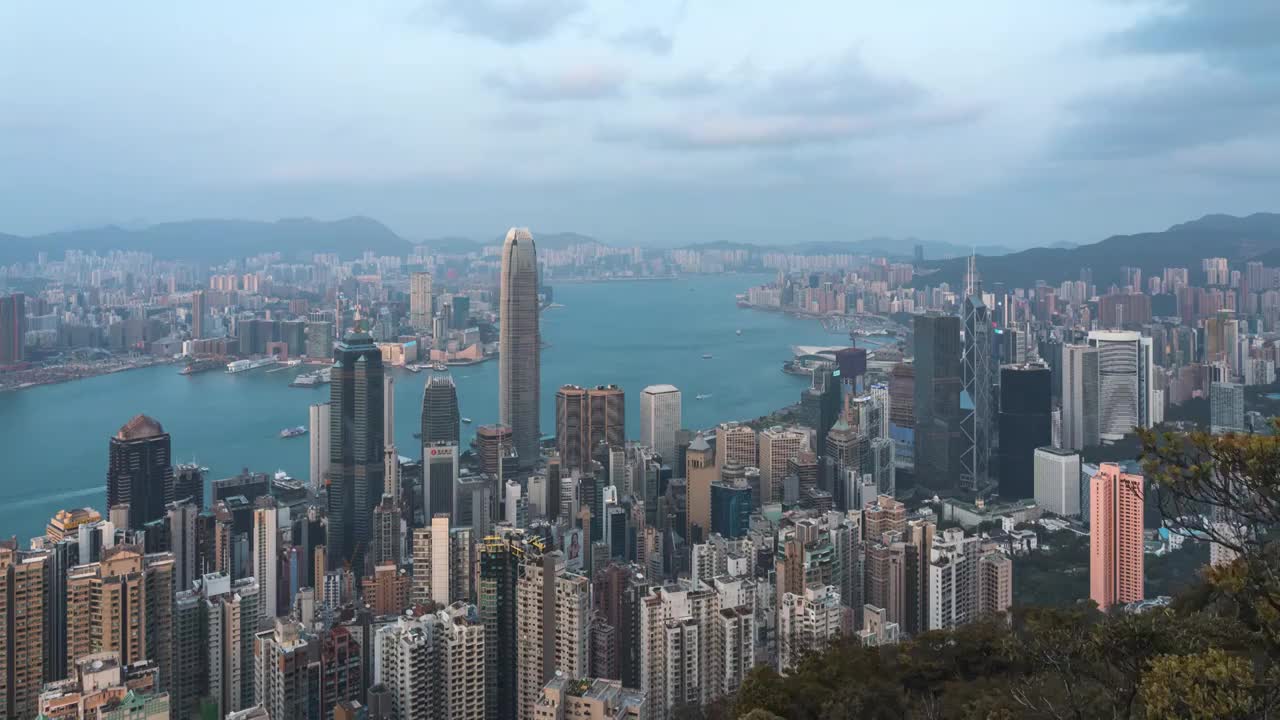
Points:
point(665, 123)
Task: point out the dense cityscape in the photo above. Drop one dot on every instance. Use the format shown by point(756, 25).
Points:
point(592, 570)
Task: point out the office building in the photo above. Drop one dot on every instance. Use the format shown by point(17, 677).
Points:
point(730, 509)
point(700, 472)
point(23, 595)
point(198, 312)
point(1025, 424)
point(266, 549)
point(139, 473)
point(1226, 408)
point(572, 427)
point(553, 613)
point(501, 559)
point(318, 436)
point(13, 328)
point(520, 345)
point(440, 416)
point(902, 381)
point(183, 542)
point(660, 417)
point(606, 417)
point(1123, 382)
point(821, 405)
point(1115, 537)
point(735, 445)
point(979, 377)
point(420, 310)
point(495, 448)
point(938, 384)
point(319, 339)
point(1057, 480)
point(1079, 396)
point(356, 444)
point(66, 523)
point(439, 478)
point(778, 445)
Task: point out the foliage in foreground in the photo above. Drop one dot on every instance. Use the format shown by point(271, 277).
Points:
point(1212, 655)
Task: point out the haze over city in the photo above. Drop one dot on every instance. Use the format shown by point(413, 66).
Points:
point(658, 123)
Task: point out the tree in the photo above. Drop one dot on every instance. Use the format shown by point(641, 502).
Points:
point(1211, 685)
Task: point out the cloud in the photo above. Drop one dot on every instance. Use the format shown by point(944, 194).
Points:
point(509, 22)
point(1217, 91)
point(648, 39)
point(581, 82)
point(691, 84)
point(814, 103)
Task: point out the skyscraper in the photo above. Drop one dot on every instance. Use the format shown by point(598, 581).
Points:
point(571, 427)
point(13, 328)
point(1115, 537)
point(355, 481)
point(1079, 396)
point(440, 409)
point(139, 474)
point(660, 419)
point(979, 377)
point(553, 613)
point(700, 472)
point(606, 417)
point(198, 311)
point(420, 300)
point(519, 345)
point(1122, 387)
point(318, 437)
point(777, 446)
point(266, 547)
point(1025, 424)
point(735, 445)
point(1057, 480)
point(1226, 407)
point(22, 640)
point(938, 383)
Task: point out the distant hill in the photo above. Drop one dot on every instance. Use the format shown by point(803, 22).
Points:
point(1239, 239)
point(901, 248)
point(217, 240)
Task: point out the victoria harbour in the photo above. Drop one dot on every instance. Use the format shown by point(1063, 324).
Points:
point(633, 334)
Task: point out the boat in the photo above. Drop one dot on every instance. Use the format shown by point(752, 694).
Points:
point(238, 366)
point(706, 356)
point(738, 332)
point(293, 431)
point(702, 396)
point(466, 420)
point(306, 380)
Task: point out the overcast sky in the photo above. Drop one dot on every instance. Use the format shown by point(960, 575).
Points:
point(654, 121)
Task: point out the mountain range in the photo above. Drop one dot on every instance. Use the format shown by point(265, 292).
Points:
point(1238, 239)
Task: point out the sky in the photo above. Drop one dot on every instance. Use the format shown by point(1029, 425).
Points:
point(657, 122)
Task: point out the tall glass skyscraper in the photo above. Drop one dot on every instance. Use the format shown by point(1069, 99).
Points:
point(440, 409)
point(1025, 425)
point(355, 480)
point(938, 382)
point(139, 472)
point(519, 339)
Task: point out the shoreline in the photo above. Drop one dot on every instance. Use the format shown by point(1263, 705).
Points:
point(86, 375)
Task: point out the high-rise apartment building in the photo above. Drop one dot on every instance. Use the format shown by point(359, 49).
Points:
point(214, 625)
point(318, 436)
point(266, 550)
point(520, 345)
point(501, 561)
point(1057, 480)
point(22, 638)
point(432, 550)
point(1080, 399)
point(1025, 424)
point(1226, 408)
point(553, 614)
point(356, 443)
point(198, 311)
point(440, 416)
point(1115, 537)
point(139, 473)
point(660, 418)
point(807, 622)
point(286, 679)
point(938, 438)
point(778, 445)
point(13, 328)
point(122, 604)
point(588, 699)
point(420, 300)
point(433, 665)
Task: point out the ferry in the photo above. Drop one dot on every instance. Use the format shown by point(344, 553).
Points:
point(293, 431)
point(702, 396)
point(237, 366)
point(466, 420)
point(706, 356)
point(306, 380)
